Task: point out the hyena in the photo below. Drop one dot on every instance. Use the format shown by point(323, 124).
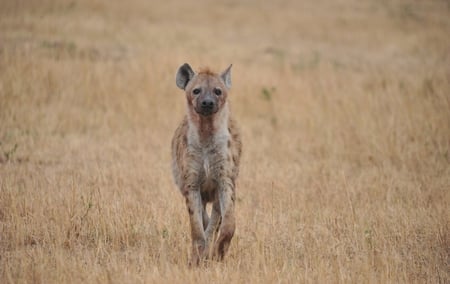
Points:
point(206, 150)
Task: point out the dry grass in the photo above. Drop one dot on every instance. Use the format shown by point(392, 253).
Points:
point(344, 108)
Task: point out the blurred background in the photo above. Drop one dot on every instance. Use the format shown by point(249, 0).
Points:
point(344, 108)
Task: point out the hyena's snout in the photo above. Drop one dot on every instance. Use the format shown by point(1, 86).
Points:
point(207, 105)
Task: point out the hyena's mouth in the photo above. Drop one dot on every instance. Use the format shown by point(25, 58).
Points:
point(206, 111)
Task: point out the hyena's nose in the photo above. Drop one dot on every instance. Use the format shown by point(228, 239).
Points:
point(207, 104)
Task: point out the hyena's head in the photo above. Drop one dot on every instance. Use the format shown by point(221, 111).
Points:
point(206, 92)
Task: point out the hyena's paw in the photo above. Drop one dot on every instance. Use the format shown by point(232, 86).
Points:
point(199, 253)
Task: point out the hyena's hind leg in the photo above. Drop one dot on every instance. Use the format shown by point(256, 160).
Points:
point(205, 216)
point(213, 227)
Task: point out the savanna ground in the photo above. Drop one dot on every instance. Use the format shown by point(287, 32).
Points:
point(344, 107)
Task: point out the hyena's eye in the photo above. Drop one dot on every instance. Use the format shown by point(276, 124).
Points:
point(217, 91)
point(196, 91)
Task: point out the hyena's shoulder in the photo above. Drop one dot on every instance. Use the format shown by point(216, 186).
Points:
point(179, 148)
point(180, 134)
point(235, 144)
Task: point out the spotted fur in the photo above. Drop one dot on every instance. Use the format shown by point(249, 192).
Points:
point(206, 150)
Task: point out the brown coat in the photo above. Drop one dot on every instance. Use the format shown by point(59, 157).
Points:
point(206, 150)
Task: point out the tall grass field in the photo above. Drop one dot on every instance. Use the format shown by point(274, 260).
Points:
point(344, 110)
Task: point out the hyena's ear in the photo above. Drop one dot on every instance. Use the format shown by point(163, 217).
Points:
point(226, 76)
point(184, 75)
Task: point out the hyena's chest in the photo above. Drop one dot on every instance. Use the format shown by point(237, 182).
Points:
point(211, 165)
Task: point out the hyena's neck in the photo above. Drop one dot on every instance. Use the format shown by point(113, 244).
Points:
point(207, 129)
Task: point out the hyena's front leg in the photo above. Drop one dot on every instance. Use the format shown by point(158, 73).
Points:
point(195, 209)
point(228, 225)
